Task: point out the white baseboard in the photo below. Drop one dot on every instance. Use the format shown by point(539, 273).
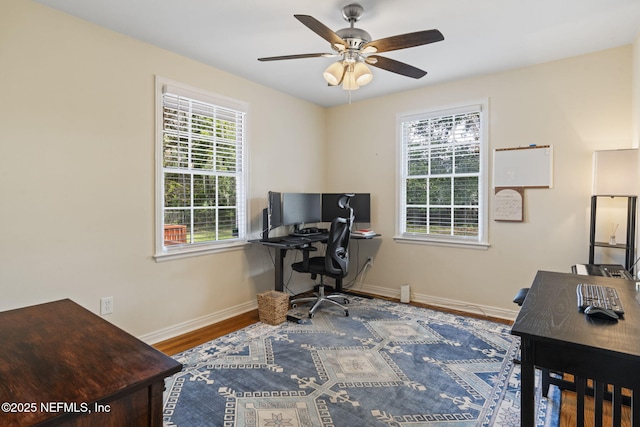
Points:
point(209, 319)
point(200, 322)
point(442, 302)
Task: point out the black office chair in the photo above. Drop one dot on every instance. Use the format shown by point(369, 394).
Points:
point(520, 296)
point(334, 264)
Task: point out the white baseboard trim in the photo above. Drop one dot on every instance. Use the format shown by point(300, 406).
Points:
point(209, 319)
point(442, 302)
point(200, 322)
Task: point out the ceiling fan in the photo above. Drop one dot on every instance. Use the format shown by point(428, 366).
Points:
point(355, 49)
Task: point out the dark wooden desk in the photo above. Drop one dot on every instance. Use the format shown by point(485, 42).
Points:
point(556, 335)
point(62, 365)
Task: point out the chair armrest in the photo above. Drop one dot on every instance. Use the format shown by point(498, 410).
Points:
point(305, 255)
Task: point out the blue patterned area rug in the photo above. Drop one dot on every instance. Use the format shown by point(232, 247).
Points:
point(387, 364)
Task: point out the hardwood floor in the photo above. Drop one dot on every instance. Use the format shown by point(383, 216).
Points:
point(184, 342)
point(191, 339)
point(568, 410)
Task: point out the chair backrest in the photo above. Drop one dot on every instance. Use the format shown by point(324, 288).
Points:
point(336, 261)
point(343, 203)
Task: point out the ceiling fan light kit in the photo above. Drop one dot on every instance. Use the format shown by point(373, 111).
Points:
point(362, 73)
point(333, 74)
point(350, 75)
point(354, 47)
point(349, 81)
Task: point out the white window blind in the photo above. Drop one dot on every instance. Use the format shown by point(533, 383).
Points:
point(442, 175)
point(203, 170)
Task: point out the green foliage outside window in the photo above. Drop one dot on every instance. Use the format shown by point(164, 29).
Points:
point(201, 161)
point(442, 163)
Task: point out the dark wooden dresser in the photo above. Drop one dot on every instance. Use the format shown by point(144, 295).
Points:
point(60, 364)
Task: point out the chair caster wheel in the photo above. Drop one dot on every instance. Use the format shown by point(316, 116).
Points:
point(346, 313)
point(310, 315)
point(346, 301)
point(294, 305)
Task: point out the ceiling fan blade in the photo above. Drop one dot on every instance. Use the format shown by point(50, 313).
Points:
point(322, 30)
point(300, 56)
point(395, 66)
point(404, 41)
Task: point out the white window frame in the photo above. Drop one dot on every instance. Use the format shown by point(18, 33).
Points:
point(166, 252)
point(477, 242)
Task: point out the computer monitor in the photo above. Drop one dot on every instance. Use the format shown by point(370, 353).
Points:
point(274, 209)
point(301, 208)
point(360, 203)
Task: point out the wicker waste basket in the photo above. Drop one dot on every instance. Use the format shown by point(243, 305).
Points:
point(273, 307)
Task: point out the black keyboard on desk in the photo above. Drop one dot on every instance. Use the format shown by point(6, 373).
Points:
point(286, 239)
point(598, 296)
point(295, 239)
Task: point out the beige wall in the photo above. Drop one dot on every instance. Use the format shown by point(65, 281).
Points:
point(636, 91)
point(77, 173)
point(578, 105)
point(635, 109)
point(77, 169)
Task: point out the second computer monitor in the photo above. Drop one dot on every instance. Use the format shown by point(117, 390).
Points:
point(274, 209)
point(360, 203)
point(301, 208)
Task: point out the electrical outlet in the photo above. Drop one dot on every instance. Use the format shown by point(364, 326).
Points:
point(370, 261)
point(106, 305)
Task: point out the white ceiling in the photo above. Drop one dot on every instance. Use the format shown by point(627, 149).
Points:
point(481, 36)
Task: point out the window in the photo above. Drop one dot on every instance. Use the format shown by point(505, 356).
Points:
point(443, 176)
point(201, 147)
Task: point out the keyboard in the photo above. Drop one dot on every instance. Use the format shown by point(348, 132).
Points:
point(598, 296)
point(286, 239)
point(294, 239)
point(617, 272)
point(607, 270)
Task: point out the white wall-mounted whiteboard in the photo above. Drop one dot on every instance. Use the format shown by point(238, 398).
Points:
point(528, 167)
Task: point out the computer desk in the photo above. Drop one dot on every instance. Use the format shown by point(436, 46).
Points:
point(282, 247)
point(556, 335)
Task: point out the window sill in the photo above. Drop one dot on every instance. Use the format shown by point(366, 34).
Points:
point(188, 252)
point(443, 241)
